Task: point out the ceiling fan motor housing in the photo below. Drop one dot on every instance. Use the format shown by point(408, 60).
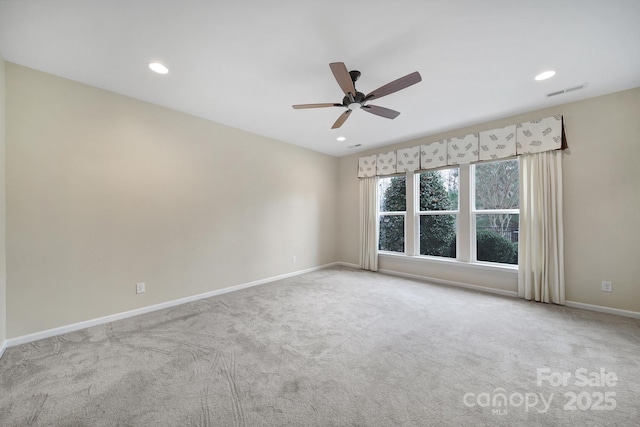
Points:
point(359, 98)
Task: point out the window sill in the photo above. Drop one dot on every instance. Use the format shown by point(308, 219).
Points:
point(454, 263)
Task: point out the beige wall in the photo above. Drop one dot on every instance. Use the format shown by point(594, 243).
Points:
point(602, 202)
point(104, 191)
point(3, 212)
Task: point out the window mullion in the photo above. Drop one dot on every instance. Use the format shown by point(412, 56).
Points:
point(465, 218)
point(497, 211)
point(438, 212)
point(410, 222)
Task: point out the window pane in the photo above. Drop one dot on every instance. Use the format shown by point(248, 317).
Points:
point(497, 185)
point(392, 194)
point(391, 233)
point(439, 190)
point(497, 238)
point(438, 235)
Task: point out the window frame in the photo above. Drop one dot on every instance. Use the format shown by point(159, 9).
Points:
point(474, 212)
point(393, 213)
point(419, 213)
point(466, 214)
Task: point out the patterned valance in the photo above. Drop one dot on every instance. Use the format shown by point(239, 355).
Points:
point(433, 155)
point(539, 135)
point(408, 159)
point(498, 143)
point(367, 166)
point(386, 163)
point(529, 137)
point(462, 150)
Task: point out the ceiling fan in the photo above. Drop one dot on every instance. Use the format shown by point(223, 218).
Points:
point(357, 100)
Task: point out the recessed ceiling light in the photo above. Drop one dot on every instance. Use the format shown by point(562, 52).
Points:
point(158, 68)
point(341, 138)
point(545, 75)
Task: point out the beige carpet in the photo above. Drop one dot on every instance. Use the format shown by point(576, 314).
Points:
point(336, 347)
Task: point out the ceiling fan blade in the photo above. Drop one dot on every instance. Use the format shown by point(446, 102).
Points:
point(343, 118)
point(300, 106)
point(381, 111)
point(343, 77)
point(394, 86)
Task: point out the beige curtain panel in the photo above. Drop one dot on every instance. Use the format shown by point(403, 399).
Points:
point(369, 223)
point(541, 242)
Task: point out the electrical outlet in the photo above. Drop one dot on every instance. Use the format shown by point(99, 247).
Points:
point(607, 286)
point(293, 259)
point(140, 288)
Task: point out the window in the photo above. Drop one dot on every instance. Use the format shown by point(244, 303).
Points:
point(393, 209)
point(469, 213)
point(438, 212)
point(496, 212)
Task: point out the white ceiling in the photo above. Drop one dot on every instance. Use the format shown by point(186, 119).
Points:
point(243, 63)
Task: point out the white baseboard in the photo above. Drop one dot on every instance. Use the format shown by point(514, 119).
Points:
point(573, 304)
point(113, 317)
point(451, 283)
point(346, 264)
point(602, 309)
point(3, 347)
point(118, 316)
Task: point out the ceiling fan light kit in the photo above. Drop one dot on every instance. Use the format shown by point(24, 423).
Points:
point(354, 100)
